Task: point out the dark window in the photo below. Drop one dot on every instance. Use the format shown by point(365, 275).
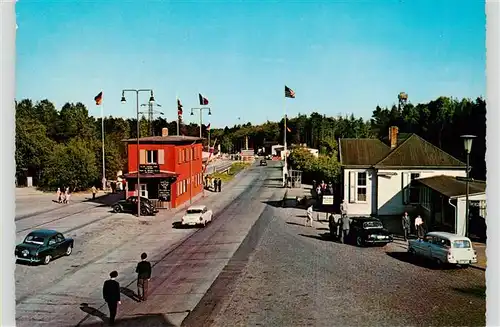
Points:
point(34, 239)
point(152, 156)
point(414, 190)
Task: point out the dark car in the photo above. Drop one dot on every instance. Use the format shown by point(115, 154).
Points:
point(263, 162)
point(130, 206)
point(43, 245)
point(368, 231)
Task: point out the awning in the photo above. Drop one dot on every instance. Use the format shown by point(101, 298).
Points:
point(133, 175)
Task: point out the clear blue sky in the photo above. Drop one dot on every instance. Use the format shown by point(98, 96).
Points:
point(338, 56)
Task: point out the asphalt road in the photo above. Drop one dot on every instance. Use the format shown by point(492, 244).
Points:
point(286, 274)
point(54, 294)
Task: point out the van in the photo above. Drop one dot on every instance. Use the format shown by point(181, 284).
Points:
point(444, 248)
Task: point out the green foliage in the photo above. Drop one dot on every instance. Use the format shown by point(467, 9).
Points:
point(301, 159)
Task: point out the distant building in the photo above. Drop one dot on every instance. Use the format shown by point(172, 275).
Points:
point(170, 168)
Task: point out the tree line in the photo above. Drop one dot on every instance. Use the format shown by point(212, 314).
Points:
point(63, 147)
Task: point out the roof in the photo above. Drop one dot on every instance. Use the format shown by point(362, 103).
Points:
point(362, 152)
point(452, 187)
point(197, 207)
point(417, 152)
point(171, 139)
point(401, 138)
point(44, 232)
point(450, 236)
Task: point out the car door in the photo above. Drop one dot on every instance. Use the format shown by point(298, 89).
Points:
point(421, 246)
point(130, 204)
point(60, 244)
point(427, 246)
point(438, 248)
point(52, 247)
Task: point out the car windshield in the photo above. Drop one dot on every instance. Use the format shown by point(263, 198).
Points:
point(461, 244)
point(372, 224)
point(34, 239)
point(193, 211)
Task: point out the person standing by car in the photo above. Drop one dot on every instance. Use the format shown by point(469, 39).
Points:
point(94, 191)
point(419, 227)
point(405, 220)
point(345, 228)
point(111, 294)
point(143, 271)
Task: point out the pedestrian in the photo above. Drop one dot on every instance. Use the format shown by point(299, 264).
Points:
point(345, 228)
point(143, 271)
point(111, 294)
point(309, 216)
point(419, 227)
point(67, 196)
point(94, 191)
point(58, 195)
point(406, 225)
point(343, 208)
point(220, 184)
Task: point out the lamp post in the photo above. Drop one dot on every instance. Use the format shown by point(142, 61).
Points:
point(201, 117)
point(123, 101)
point(467, 146)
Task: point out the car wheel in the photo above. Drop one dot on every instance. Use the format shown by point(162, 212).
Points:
point(117, 209)
point(359, 241)
point(144, 212)
point(411, 251)
point(69, 250)
point(47, 259)
point(438, 262)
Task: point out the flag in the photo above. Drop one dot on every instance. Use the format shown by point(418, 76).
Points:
point(208, 127)
point(179, 108)
point(98, 98)
point(289, 93)
point(288, 129)
point(203, 100)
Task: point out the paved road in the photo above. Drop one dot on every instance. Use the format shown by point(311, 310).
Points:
point(290, 275)
point(104, 242)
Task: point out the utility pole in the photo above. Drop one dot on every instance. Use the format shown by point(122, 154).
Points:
point(151, 113)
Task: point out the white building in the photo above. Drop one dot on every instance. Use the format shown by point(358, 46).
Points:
point(377, 178)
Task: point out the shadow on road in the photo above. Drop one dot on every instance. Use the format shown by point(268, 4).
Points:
point(294, 223)
point(107, 199)
point(93, 311)
point(321, 237)
point(478, 291)
point(289, 203)
point(178, 225)
point(144, 320)
point(323, 228)
point(415, 260)
point(130, 294)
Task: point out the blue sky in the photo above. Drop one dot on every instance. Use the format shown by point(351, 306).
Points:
point(338, 56)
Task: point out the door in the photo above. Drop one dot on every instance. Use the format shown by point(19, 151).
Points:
point(438, 248)
point(61, 247)
point(144, 190)
point(53, 247)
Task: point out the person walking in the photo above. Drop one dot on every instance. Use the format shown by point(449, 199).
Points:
point(345, 228)
point(343, 208)
point(94, 191)
point(220, 185)
point(58, 193)
point(405, 220)
point(309, 216)
point(419, 227)
point(111, 294)
point(143, 271)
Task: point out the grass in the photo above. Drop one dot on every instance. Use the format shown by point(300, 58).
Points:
point(235, 168)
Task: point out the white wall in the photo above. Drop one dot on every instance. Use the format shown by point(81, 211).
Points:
point(460, 219)
point(359, 208)
point(390, 188)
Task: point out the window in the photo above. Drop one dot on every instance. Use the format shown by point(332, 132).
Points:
point(151, 156)
point(425, 197)
point(411, 192)
point(414, 190)
point(361, 187)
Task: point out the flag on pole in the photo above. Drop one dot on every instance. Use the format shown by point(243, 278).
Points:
point(208, 127)
point(288, 129)
point(289, 93)
point(203, 100)
point(179, 108)
point(98, 98)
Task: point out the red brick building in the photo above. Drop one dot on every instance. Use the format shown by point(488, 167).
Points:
point(170, 168)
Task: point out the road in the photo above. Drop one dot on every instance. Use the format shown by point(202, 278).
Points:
point(295, 276)
point(53, 294)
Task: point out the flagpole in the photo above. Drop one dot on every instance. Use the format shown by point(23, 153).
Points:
point(285, 169)
point(103, 153)
point(178, 118)
point(209, 137)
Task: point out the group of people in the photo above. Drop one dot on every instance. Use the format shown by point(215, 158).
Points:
point(419, 226)
point(111, 289)
point(63, 197)
point(323, 188)
point(213, 183)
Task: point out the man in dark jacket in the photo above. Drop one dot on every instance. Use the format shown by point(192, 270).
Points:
point(143, 271)
point(219, 184)
point(345, 228)
point(406, 225)
point(111, 294)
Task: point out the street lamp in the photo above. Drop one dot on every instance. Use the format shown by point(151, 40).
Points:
point(201, 116)
point(151, 101)
point(468, 147)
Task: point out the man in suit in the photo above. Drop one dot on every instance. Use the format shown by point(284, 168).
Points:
point(219, 184)
point(345, 227)
point(406, 225)
point(111, 294)
point(143, 271)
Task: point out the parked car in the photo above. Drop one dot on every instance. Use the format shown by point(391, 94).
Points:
point(43, 245)
point(368, 231)
point(263, 162)
point(197, 215)
point(444, 248)
point(130, 206)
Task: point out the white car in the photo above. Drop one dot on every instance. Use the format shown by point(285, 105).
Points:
point(197, 215)
point(444, 248)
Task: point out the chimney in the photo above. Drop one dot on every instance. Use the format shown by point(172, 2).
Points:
point(393, 136)
point(164, 132)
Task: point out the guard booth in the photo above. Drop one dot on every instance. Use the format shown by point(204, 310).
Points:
point(295, 178)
